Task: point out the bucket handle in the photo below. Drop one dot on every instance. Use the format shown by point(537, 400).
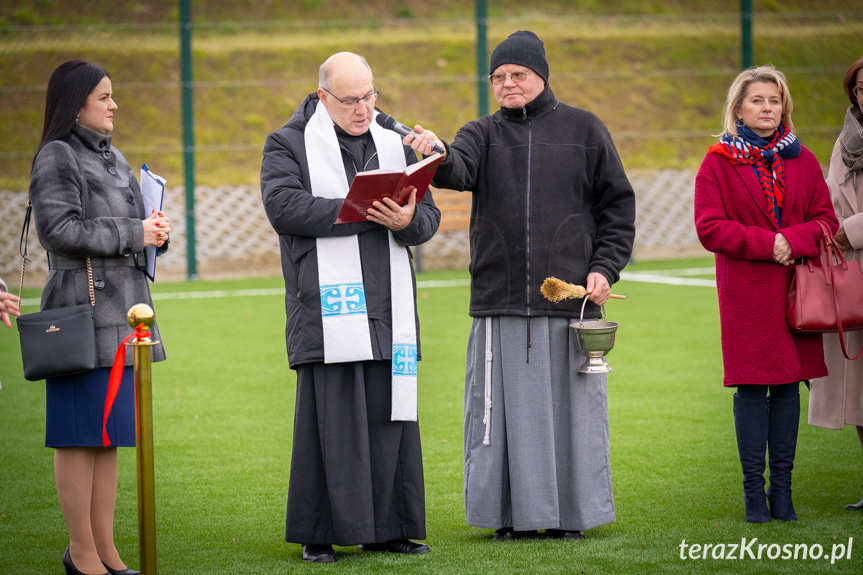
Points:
point(581, 317)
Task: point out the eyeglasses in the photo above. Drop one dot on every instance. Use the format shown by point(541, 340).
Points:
point(858, 91)
point(353, 102)
point(517, 77)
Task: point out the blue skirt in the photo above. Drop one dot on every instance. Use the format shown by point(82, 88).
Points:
point(75, 406)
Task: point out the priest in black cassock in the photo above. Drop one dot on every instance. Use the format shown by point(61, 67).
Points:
point(352, 329)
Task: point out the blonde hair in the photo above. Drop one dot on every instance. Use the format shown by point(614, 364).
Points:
point(739, 88)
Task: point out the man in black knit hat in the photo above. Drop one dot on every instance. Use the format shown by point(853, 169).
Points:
point(550, 198)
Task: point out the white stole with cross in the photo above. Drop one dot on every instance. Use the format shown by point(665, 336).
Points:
point(340, 275)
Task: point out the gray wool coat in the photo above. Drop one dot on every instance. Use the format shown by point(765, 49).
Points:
point(110, 236)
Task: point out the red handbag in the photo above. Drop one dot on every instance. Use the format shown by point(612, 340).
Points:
point(828, 299)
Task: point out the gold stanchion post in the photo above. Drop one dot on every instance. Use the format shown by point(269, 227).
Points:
point(137, 315)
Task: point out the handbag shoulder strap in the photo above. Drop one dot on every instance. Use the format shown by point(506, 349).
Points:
point(825, 231)
point(841, 329)
point(830, 251)
point(25, 230)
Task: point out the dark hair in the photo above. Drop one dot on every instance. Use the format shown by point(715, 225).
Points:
point(850, 80)
point(68, 88)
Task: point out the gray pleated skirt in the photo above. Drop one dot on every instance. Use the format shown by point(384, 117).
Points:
point(547, 462)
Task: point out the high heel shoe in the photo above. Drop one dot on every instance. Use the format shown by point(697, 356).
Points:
point(70, 567)
point(121, 572)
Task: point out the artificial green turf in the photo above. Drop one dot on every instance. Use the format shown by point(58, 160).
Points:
point(223, 412)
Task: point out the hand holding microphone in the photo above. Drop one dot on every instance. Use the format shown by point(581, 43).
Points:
point(422, 141)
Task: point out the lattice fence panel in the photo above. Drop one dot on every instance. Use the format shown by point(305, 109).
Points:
point(234, 238)
point(664, 214)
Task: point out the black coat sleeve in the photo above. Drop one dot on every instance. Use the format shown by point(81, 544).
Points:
point(613, 210)
point(290, 207)
point(460, 169)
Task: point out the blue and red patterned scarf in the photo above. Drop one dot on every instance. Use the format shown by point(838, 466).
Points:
point(766, 157)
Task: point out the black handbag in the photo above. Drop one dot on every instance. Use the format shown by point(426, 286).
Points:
point(59, 341)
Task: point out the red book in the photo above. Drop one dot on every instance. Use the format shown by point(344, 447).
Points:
point(375, 185)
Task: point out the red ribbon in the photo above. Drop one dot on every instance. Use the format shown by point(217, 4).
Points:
point(116, 378)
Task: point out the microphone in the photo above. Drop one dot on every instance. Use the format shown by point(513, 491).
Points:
point(390, 123)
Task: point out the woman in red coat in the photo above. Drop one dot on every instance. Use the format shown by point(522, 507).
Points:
point(758, 195)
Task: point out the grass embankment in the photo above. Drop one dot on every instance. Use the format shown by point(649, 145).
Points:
point(61, 12)
point(658, 82)
point(223, 406)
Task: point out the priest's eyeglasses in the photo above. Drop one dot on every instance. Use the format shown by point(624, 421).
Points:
point(517, 77)
point(353, 102)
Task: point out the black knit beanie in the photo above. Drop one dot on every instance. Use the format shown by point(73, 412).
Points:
point(523, 48)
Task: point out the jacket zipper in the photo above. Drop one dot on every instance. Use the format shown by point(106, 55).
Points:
point(527, 225)
point(527, 210)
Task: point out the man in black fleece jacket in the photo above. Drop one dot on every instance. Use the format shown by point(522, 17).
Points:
point(550, 198)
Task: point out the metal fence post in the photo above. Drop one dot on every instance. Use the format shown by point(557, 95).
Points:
point(188, 133)
point(141, 317)
point(481, 57)
point(746, 33)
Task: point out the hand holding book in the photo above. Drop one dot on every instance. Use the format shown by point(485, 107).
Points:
point(153, 194)
point(391, 215)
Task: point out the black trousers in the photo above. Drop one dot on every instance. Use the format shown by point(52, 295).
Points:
point(781, 391)
point(356, 477)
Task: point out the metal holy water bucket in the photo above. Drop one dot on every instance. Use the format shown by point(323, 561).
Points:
point(595, 338)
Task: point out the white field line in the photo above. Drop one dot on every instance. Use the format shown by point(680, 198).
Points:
point(657, 276)
point(671, 277)
point(681, 272)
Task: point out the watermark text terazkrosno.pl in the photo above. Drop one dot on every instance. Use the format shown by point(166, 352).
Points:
point(751, 549)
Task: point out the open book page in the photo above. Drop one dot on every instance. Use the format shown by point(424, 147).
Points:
point(433, 159)
point(153, 192)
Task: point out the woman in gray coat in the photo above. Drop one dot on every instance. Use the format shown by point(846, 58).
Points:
point(75, 157)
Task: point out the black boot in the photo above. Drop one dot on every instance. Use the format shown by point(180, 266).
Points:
point(750, 423)
point(782, 445)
